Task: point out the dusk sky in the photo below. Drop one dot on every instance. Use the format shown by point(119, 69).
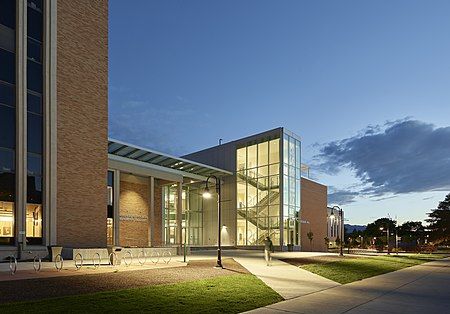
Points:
point(365, 84)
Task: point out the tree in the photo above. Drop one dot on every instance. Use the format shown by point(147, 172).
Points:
point(411, 231)
point(310, 236)
point(327, 242)
point(439, 222)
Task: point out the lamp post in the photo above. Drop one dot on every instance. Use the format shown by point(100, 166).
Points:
point(387, 237)
point(341, 227)
point(207, 194)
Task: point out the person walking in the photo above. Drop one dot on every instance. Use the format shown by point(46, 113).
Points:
point(268, 250)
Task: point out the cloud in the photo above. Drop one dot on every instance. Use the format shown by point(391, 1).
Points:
point(398, 157)
point(341, 197)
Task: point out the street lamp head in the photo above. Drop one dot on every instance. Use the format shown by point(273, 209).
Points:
point(381, 228)
point(332, 216)
point(206, 193)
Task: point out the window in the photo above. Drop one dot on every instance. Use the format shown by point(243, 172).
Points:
point(8, 13)
point(258, 193)
point(34, 24)
point(34, 133)
point(7, 66)
point(34, 103)
point(34, 76)
point(7, 95)
point(7, 127)
point(34, 121)
point(34, 50)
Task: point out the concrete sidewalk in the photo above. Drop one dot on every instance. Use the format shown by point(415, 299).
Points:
point(287, 280)
point(418, 289)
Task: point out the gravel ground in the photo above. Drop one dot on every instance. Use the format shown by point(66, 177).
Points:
point(34, 289)
point(317, 259)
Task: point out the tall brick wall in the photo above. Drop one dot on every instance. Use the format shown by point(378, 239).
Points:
point(134, 207)
point(314, 210)
point(82, 122)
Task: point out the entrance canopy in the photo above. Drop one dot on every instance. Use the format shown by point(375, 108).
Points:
point(143, 157)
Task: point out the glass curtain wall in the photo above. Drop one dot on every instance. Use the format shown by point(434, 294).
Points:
point(258, 193)
point(291, 189)
point(35, 25)
point(110, 210)
point(7, 119)
point(193, 215)
point(170, 197)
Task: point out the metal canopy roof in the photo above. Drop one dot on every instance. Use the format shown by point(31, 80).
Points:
point(146, 155)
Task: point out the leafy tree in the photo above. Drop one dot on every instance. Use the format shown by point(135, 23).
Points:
point(327, 241)
point(338, 241)
point(373, 229)
point(310, 236)
point(411, 231)
point(439, 222)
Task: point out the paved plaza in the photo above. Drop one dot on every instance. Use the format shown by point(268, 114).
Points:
point(418, 289)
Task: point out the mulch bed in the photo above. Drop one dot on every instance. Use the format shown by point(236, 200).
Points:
point(34, 289)
point(317, 259)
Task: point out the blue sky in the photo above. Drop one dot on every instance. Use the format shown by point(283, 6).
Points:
point(365, 84)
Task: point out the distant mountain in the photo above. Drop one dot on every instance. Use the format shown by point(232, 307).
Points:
point(350, 228)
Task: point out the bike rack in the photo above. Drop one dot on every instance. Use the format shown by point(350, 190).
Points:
point(167, 256)
point(12, 265)
point(77, 258)
point(142, 253)
point(59, 262)
point(99, 260)
point(125, 258)
point(37, 263)
point(154, 257)
point(112, 257)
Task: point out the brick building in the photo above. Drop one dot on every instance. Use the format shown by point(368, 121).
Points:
point(64, 183)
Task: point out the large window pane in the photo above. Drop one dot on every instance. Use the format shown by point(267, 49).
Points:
point(34, 24)
point(7, 38)
point(7, 66)
point(34, 133)
point(8, 13)
point(34, 103)
point(34, 164)
point(34, 76)
point(7, 126)
point(34, 189)
point(241, 158)
point(7, 94)
point(252, 156)
point(6, 223)
point(274, 151)
point(263, 154)
point(34, 50)
point(34, 224)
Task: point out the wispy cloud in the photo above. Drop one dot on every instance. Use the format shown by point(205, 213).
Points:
point(398, 157)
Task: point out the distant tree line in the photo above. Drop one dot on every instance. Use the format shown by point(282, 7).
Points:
point(409, 236)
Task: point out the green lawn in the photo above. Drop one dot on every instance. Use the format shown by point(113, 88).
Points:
point(227, 294)
point(352, 269)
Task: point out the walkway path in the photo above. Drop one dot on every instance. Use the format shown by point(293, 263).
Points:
point(418, 289)
point(289, 281)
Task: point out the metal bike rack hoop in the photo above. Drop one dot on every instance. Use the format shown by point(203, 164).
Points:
point(142, 262)
point(98, 259)
point(125, 258)
point(167, 256)
point(154, 257)
point(77, 258)
point(112, 257)
point(37, 263)
point(59, 262)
